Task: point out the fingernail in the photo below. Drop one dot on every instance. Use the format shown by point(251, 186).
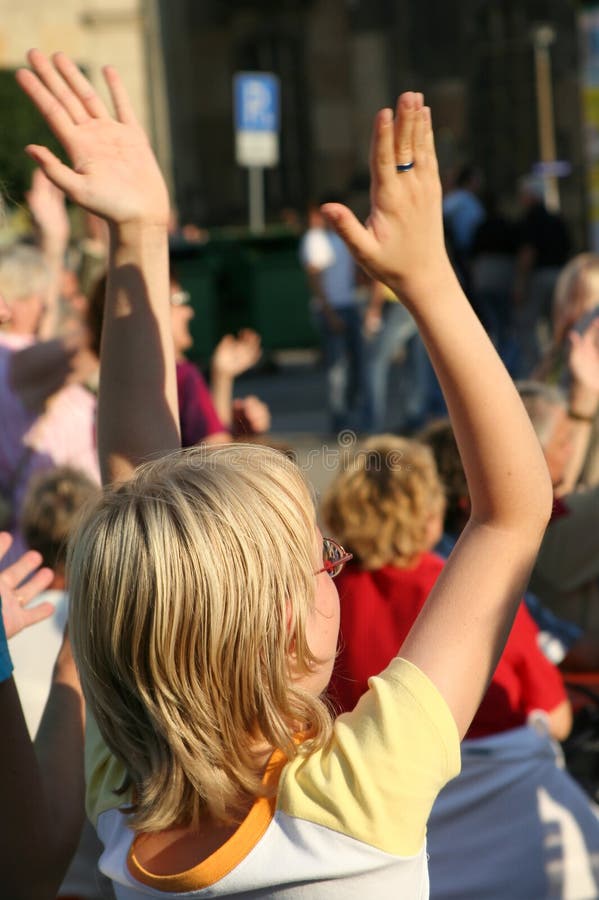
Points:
point(386, 116)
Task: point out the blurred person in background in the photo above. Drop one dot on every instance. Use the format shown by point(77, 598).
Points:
point(387, 509)
point(52, 504)
point(48, 416)
point(333, 281)
point(390, 330)
point(544, 246)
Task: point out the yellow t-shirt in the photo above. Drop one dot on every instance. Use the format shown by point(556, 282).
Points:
point(348, 820)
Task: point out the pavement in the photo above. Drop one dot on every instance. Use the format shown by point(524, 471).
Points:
point(295, 390)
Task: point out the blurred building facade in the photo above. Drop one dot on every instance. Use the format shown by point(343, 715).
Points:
point(338, 61)
point(93, 32)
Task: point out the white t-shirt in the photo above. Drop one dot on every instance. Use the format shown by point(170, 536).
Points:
point(326, 252)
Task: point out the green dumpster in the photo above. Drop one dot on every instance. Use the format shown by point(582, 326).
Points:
point(198, 270)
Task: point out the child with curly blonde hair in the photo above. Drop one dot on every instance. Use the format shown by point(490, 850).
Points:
point(204, 617)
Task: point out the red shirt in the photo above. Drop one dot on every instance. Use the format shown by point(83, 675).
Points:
point(198, 416)
point(377, 611)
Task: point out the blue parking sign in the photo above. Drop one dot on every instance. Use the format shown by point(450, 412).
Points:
point(256, 101)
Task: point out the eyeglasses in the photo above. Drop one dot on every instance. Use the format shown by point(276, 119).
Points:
point(334, 557)
point(180, 298)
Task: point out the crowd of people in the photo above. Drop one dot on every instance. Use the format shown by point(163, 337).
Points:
point(220, 717)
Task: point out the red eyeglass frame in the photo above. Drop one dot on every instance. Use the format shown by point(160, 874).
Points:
point(344, 558)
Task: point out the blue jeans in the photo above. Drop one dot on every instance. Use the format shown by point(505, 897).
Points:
point(344, 360)
point(398, 330)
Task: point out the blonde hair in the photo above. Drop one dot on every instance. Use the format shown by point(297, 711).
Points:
point(380, 506)
point(190, 587)
point(576, 292)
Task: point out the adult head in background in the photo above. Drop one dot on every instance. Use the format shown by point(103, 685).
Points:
point(24, 282)
point(576, 294)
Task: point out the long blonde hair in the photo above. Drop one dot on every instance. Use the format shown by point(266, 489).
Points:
point(190, 586)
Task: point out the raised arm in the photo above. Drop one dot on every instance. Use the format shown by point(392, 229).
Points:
point(47, 207)
point(41, 813)
point(458, 638)
point(114, 174)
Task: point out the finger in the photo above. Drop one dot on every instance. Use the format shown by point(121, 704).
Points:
point(420, 129)
point(120, 97)
point(22, 568)
point(60, 175)
point(358, 239)
point(79, 84)
point(36, 584)
point(45, 70)
point(52, 111)
point(37, 614)
point(429, 138)
point(382, 154)
point(403, 137)
point(5, 542)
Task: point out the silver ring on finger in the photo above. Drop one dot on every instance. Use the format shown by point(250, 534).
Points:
point(404, 167)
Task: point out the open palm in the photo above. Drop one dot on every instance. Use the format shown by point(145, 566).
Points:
point(114, 173)
point(16, 595)
point(584, 356)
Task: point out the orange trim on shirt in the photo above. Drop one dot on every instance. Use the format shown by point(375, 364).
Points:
point(229, 855)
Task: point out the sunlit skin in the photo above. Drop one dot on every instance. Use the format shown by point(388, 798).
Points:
point(322, 627)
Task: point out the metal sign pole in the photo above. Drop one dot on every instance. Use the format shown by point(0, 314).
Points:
point(256, 198)
point(256, 111)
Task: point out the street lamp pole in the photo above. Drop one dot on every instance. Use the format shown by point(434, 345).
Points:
point(543, 36)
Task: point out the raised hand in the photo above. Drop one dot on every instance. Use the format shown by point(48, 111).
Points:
point(250, 415)
point(47, 207)
point(235, 355)
point(16, 596)
point(402, 242)
point(114, 173)
point(583, 361)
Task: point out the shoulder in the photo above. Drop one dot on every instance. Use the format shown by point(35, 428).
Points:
point(387, 760)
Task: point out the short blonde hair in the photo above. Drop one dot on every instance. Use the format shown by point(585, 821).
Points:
point(380, 506)
point(190, 587)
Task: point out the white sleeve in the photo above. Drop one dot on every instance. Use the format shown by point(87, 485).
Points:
point(316, 251)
